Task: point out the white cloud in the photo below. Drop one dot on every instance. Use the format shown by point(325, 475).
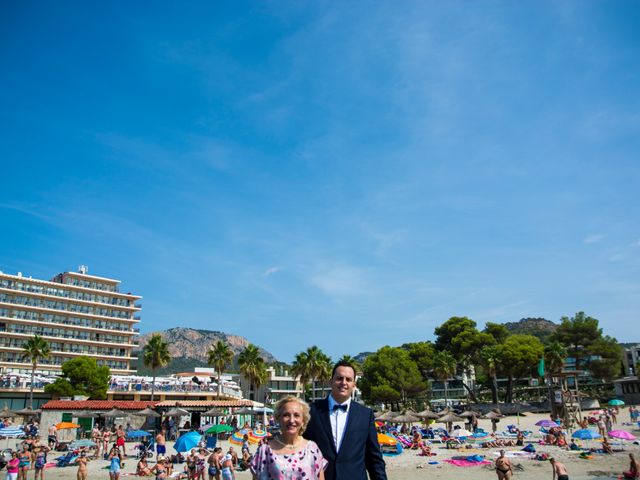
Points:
point(270, 271)
point(593, 238)
point(339, 280)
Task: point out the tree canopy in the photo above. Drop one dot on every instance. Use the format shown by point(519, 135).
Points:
point(81, 376)
point(390, 375)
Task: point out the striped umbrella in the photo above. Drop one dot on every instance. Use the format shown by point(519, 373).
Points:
point(11, 432)
point(238, 437)
point(256, 435)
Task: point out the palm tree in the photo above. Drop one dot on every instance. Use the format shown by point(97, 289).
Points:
point(491, 359)
point(444, 367)
point(155, 354)
point(554, 356)
point(311, 365)
point(220, 355)
point(252, 366)
point(349, 359)
point(35, 348)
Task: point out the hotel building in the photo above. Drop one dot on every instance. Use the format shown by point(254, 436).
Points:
point(77, 313)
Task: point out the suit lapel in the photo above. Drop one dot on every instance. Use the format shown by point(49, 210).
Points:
point(325, 422)
point(352, 419)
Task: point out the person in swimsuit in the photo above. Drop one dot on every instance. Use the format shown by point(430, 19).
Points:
point(52, 436)
point(115, 459)
point(214, 464)
point(227, 468)
point(143, 469)
point(40, 461)
point(159, 468)
point(634, 468)
point(106, 437)
point(161, 444)
point(120, 434)
point(191, 464)
point(503, 467)
point(25, 462)
point(82, 466)
point(559, 470)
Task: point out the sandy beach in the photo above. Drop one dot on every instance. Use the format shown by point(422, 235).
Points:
point(409, 465)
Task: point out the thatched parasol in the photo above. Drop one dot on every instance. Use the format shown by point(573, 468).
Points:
point(28, 412)
point(214, 412)
point(405, 418)
point(450, 418)
point(114, 413)
point(427, 414)
point(388, 416)
point(493, 415)
point(6, 413)
point(469, 413)
point(147, 412)
point(176, 412)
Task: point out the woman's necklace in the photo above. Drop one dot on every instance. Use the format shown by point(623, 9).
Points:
point(290, 446)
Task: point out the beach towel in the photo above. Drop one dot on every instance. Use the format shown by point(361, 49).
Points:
point(467, 463)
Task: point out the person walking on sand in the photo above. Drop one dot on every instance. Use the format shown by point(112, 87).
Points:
point(559, 470)
point(161, 443)
point(82, 466)
point(503, 467)
point(337, 418)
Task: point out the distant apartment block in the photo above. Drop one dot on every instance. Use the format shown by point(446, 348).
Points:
point(630, 359)
point(77, 313)
point(279, 384)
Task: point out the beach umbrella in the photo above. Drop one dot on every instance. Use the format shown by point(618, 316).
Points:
point(147, 412)
point(187, 441)
point(214, 412)
point(176, 412)
point(219, 428)
point(460, 432)
point(449, 418)
point(426, 414)
point(81, 443)
point(621, 434)
point(585, 434)
point(6, 413)
point(66, 425)
point(546, 423)
point(257, 435)
point(406, 418)
point(85, 414)
point(237, 438)
point(377, 415)
point(244, 411)
point(11, 432)
point(493, 416)
point(28, 412)
point(262, 410)
point(114, 413)
point(137, 434)
point(387, 416)
point(615, 402)
point(469, 414)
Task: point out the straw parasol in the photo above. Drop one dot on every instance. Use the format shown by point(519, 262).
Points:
point(6, 413)
point(493, 415)
point(176, 412)
point(405, 418)
point(469, 414)
point(427, 414)
point(450, 418)
point(114, 413)
point(147, 412)
point(28, 412)
point(244, 411)
point(214, 412)
point(388, 416)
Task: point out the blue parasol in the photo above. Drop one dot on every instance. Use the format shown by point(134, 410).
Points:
point(585, 434)
point(137, 434)
point(187, 441)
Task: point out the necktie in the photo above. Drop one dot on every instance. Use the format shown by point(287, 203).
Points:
point(340, 407)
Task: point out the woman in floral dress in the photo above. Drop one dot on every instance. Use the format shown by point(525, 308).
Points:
point(288, 456)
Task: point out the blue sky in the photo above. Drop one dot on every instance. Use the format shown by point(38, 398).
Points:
point(346, 174)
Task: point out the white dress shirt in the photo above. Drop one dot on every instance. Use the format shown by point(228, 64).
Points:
point(338, 420)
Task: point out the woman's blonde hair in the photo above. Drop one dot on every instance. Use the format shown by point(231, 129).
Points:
point(279, 410)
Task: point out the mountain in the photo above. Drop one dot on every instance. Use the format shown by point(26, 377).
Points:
point(538, 327)
point(189, 347)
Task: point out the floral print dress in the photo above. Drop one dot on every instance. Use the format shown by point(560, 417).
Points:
point(305, 464)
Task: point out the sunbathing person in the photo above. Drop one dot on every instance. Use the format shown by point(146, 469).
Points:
point(606, 446)
point(143, 469)
point(634, 468)
point(425, 450)
point(416, 442)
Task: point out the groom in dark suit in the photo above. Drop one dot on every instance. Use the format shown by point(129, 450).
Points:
point(345, 431)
